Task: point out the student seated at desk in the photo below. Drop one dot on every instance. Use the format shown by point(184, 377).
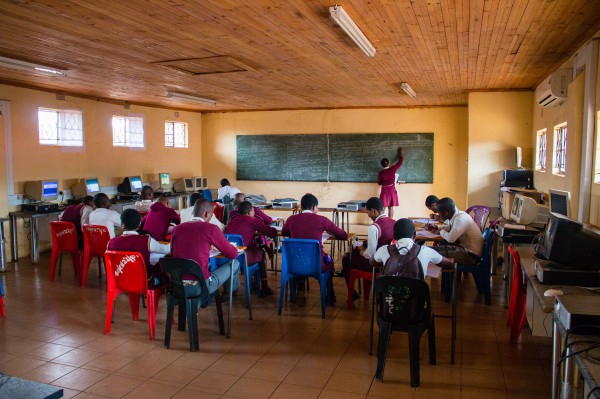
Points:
point(310, 225)
point(159, 219)
point(226, 191)
point(103, 215)
point(431, 203)
point(458, 228)
point(192, 240)
point(380, 233)
point(150, 249)
point(74, 214)
point(247, 225)
point(147, 200)
point(405, 258)
point(258, 213)
point(186, 214)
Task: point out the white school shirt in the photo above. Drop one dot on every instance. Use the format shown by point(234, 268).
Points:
point(186, 215)
point(223, 191)
point(157, 250)
point(106, 217)
point(372, 238)
point(85, 214)
point(143, 205)
point(426, 255)
point(462, 227)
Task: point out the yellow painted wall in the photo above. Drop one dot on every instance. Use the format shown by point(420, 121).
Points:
point(570, 111)
point(98, 157)
point(498, 123)
point(450, 150)
point(595, 191)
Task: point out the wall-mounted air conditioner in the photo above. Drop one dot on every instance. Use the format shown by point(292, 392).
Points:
point(553, 90)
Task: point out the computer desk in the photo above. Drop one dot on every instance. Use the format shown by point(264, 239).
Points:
point(34, 218)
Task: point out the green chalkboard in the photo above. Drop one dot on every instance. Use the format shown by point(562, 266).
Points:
point(294, 157)
point(356, 157)
point(333, 157)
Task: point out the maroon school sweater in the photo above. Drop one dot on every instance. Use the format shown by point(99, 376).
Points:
point(258, 213)
point(133, 243)
point(72, 213)
point(158, 220)
point(192, 240)
point(247, 226)
point(386, 230)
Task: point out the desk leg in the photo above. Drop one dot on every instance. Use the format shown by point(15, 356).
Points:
point(249, 279)
point(454, 299)
point(230, 299)
point(35, 255)
point(372, 311)
point(555, 356)
point(14, 239)
point(276, 253)
point(2, 248)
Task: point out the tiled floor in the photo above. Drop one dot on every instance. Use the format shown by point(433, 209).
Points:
point(53, 333)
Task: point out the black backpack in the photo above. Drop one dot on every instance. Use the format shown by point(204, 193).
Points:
point(407, 265)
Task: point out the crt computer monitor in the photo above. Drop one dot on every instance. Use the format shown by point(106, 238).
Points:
point(524, 209)
point(164, 181)
point(560, 202)
point(567, 241)
point(135, 183)
point(87, 186)
point(42, 190)
point(199, 182)
point(92, 186)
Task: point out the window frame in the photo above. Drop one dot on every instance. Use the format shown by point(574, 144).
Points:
point(61, 128)
point(541, 150)
point(175, 144)
point(559, 157)
point(127, 143)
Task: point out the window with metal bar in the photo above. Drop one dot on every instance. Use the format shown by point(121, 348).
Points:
point(60, 127)
point(176, 134)
point(559, 164)
point(540, 148)
point(128, 131)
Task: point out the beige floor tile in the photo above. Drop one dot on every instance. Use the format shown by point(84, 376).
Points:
point(527, 395)
point(480, 393)
point(86, 395)
point(436, 390)
point(308, 377)
point(48, 372)
point(152, 390)
point(481, 361)
point(483, 378)
point(331, 394)
point(250, 388)
point(49, 351)
point(80, 379)
point(290, 391)
point(350, 382)
point(194, 394)
point(176, 375)
point(230, 366)
point(196, 360)
point(115, 386)
point(269, 371)
point(358, 364)
point(389, 389)
point(103, 344)
point(216, 383)
point(77, 357)
point(523, 383)
point(108, 362)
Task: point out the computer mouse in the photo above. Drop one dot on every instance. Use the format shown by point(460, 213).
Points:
point(553, 292)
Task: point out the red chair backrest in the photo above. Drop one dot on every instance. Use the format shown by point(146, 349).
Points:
point(64, 236)
point(126, 272)
point(218, 211)
point(95, 239)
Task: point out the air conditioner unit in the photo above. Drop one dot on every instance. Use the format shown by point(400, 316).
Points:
point(553, 90)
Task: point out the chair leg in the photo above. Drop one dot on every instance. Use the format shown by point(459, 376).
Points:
point(110, 305)
point(192, 319)
point(431, 340)
point(414, 339)
point(153, 297)
point(350, 300)
point(385, 331)
point(84, 269)
point(99, 267)
point(134, 303)
point(282, 293)
point(182, 314)
point(2, 309)
point(60, 264)
point(324, 288)
point(143, 301)
point(54, 257)
point(220, 314)
point(169, 322)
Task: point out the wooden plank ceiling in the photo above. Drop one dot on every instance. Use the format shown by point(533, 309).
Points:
point(289, 54)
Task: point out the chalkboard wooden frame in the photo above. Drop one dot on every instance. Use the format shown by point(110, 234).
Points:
point(332, 157)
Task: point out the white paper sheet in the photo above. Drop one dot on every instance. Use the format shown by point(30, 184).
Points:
point(433, 271)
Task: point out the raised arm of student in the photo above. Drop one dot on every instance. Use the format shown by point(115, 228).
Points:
point(398, 164)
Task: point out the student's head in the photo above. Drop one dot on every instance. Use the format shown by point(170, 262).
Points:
point(309, 202)
point(385, 163)
point(164, 201)
point(245, 208)
point(404, 228)
point(130, 219)
point(239, 198)
point(147, 193)
point(374, 207)
point(431, 202)
point(203, 209)
point(101, 200)
point(194, 197)
point(445, 208)
point(224, 182)
point(88, 200)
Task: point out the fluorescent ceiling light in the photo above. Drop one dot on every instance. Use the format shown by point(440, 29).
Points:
point(183, 96)
point(408, 90)
point(347, 24)
point(29, 66)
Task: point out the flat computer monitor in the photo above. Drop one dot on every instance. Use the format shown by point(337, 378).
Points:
point(567, 241)
point(164, 181)
point(42, 190)
point(526, 211)
point(560, 202)
point(87, 186)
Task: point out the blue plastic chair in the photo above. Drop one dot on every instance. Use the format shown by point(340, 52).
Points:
point(248, 270)
point(302, 258)
point(481, 271)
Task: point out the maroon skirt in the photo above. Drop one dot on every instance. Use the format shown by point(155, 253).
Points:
point(389, 196)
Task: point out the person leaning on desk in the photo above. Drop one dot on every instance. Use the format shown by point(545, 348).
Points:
point(103, 215)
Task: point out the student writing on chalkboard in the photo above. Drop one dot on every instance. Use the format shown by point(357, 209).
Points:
point(387, 180)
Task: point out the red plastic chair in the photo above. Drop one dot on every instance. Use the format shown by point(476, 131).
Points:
point(64, 239)
point(95, 240)
point(480, 214)
point(2, 310)
point(126, 273)
point(354, 275)
point(218, 211)
point(518, 298)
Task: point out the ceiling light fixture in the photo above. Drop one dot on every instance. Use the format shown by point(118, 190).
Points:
point(408, 90)
point(189, 97)
point(347, 24)
point(24, 65)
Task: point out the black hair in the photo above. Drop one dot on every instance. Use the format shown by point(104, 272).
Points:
point(385, 162)
point(147, 192)
point(308, 201)
point(237, 196)
point(100, 200)
point(201, 206)
point(194, 197)
point(244, 207)
point(87, 200)
point(375, 203)
point(445, 205)
point(404, 228)
point(224, 182)
point(430, 200)
point(131, 219)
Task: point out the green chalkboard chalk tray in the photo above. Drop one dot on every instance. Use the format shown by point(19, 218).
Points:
point(333, 157)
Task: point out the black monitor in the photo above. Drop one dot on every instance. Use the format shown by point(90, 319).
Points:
point(567, 241)
point(560, 202)
point(517, 178)
point(131, 184)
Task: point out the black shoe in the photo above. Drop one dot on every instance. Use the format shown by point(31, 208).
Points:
point(338, 273)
